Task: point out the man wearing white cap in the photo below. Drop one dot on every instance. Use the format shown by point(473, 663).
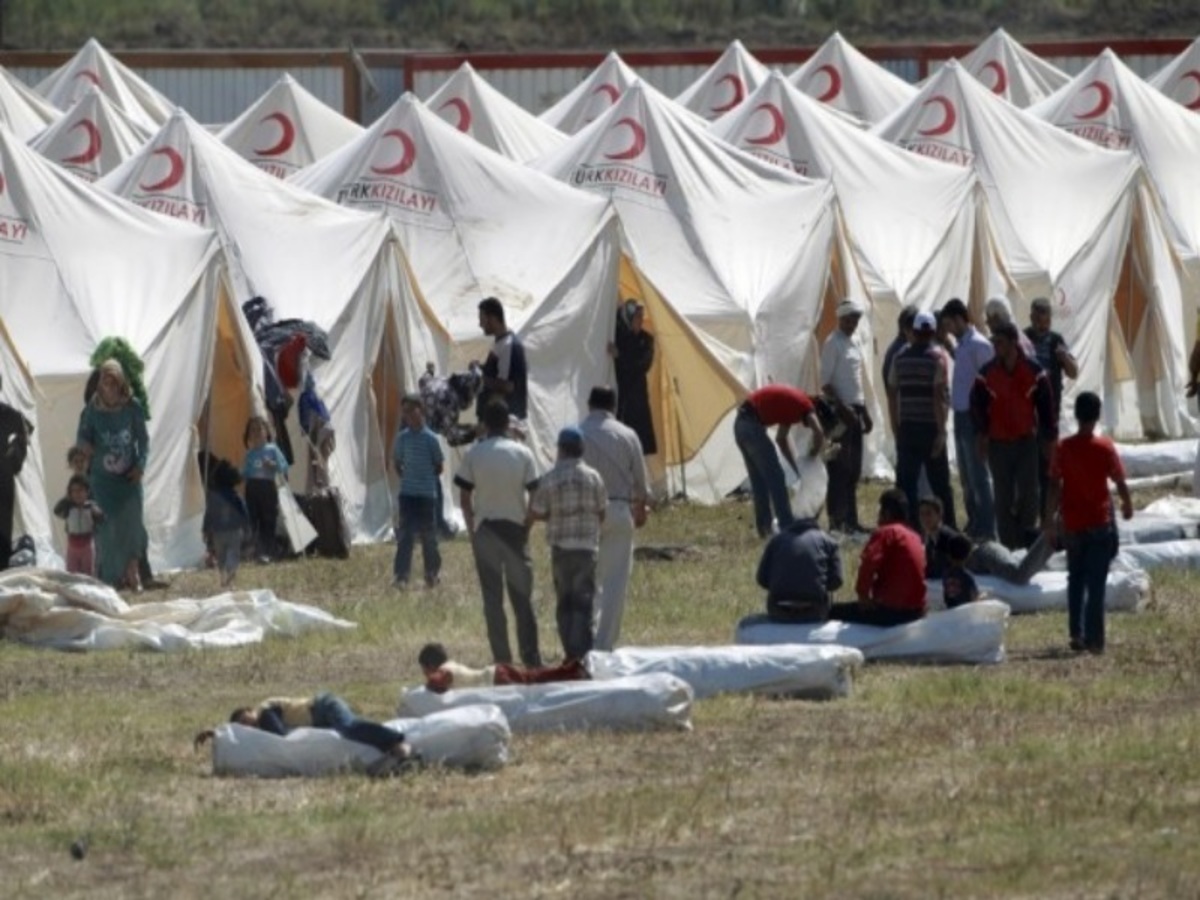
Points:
point(842, 387)
point(919, 403)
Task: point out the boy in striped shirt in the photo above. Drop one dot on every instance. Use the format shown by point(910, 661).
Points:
point(417, 456)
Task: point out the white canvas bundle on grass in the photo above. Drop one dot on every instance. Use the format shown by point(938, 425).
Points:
point(969, 634)
point(1181, 554)
point(73, 612)
point(472, 737)
point(638, 702)
point(1158, 458)
point(1127, 589)
point(816, 673)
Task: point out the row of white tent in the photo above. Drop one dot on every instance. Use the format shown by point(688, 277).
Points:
point(738, 236)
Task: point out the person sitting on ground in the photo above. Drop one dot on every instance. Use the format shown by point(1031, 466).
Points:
point(986, 558)
point(958, 585)
point(800, 569)
point(443, 674)
point(279, 715)
point(891, 575)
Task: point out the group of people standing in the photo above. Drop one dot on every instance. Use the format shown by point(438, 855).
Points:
point(593, 498)
point(1022, 487)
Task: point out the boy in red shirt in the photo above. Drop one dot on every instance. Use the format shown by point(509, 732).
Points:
point(891, 575)
point(1080, 470)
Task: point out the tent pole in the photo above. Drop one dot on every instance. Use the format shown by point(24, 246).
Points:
point(679, 438)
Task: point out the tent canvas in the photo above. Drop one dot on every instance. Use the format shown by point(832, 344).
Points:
point(287, 128)
point(93, 65)
point(841, 76)
point(739, 249)
point(22, 111)
point(474, 107)
point(92, 138)
point(77, 265)
point(592, 96)
point(312, 259)
point(1012, 72)
point(1109, 105)
point(1180, 78)
point(1064, 211)
point(476, 224)
point(725, 84)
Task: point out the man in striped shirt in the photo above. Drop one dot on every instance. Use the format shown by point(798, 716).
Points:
point(613, 450)
point(417, 456)
point(571, 500)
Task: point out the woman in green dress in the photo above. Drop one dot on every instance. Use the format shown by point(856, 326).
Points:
point(112, 430)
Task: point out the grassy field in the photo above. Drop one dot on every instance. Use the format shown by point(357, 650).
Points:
point(1048, 776)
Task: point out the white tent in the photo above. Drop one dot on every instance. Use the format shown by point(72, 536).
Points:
point(93, 65)
point(841, 76)
point(78, 265)
point(32, 514)
point(1012, 72)
point(725, 84)
point(314, 260)
point(740, 248)
point(1109, 105)
point(23, 112)
point(474, 107)
point(92, 138)
point(592, 96)
point(1064, 212)
point(287, 128)
point(1180, 78)
point(476, 224)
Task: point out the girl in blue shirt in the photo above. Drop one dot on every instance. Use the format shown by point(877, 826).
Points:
point(263, 466)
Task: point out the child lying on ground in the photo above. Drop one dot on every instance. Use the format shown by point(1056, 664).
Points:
point(443, 674)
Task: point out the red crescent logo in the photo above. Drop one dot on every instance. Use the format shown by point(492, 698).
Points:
point(949, 117)
point(835, 83)
point(406, 161)
point(287, 135)
point(775, 135)
point(93, 147)
point(739, 92)
point(1104, 100)
point(1, 182)
point(174, 174)
point(1001, 85)
point(89, 75)
point(611, 89)
point(1194, 75)
point(464, 112)
point(639, 141)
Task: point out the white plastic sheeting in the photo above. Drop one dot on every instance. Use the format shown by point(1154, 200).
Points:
point(969, 634)
point(1178, 554)
point(637, 702)
point(817, 673)
point(473, 737)
point(1158, 458)
point(1128, 590)
point(72, 612)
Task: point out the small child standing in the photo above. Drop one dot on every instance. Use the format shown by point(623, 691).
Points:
point(418, 459)
point(264, 464)
point(82, 516)
point(225, 519)
point(958, 585)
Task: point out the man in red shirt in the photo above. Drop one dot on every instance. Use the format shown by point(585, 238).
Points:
point(784, 406)
point(1013, 408)
point(1080, 469)
point(891, 575)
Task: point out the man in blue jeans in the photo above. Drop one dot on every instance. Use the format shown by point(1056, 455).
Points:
point(784, 406)
point(417, 456)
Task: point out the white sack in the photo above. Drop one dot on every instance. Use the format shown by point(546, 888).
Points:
point(1128, 590)
point(817, 673)
point(969, 634)
point(1182, 508)
point(73, 612)
point(1157, 458)
point(636, 702)
point(1182, 554)
point(473, 737)
point(1145, 528)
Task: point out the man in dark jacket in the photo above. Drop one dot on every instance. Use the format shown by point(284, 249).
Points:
point(800, 570)
point(14, 447)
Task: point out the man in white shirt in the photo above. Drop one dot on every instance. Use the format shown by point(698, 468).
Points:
point(496, 475)
point(842, 387)
point(615, 452)
point(972, 352)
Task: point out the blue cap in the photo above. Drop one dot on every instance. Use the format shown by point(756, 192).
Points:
point(570, 437)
